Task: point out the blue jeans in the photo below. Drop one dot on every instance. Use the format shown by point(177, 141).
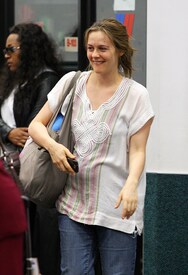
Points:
point(79, 243)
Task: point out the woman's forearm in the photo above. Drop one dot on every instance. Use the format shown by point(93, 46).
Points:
point(40, 135)
point(136, 167)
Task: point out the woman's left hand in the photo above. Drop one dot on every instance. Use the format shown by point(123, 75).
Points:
point(129, 199)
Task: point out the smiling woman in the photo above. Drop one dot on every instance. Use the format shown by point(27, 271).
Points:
point(101, 53)
point(101, 206)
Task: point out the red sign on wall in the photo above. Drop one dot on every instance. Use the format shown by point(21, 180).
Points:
point(71, 44)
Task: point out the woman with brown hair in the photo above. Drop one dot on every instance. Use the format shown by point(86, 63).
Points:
point(101, 206)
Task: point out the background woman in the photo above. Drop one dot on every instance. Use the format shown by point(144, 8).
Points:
point(31, 70)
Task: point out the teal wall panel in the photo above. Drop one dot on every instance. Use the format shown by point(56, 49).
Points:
point(166, 225)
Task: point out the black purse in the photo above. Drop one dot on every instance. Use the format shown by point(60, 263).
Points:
point(11, 162)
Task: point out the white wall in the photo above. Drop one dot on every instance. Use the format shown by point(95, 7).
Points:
point(167, 82)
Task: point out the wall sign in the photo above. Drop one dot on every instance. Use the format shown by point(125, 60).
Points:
point(71, 44)
point(124, 5)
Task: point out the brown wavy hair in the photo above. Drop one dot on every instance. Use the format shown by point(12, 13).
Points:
point(117, 33)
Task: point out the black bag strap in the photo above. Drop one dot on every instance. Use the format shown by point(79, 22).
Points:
point(2, 146)
point(9, 164)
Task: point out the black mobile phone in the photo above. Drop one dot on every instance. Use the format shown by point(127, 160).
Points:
point(74, 164)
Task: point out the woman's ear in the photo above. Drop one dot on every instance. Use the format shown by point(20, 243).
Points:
point(121, 53)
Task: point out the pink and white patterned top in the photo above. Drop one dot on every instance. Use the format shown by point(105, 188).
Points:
point(101, 148)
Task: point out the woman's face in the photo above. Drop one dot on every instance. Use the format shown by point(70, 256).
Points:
point(101, 53)
point(12, 52)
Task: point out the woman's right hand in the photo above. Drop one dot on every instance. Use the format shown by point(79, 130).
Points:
point(18, 136)
point(59, 154)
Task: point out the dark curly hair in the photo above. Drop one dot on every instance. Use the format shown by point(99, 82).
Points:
point(37, 51)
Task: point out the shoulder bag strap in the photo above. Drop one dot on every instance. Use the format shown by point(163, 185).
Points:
point(67, 91)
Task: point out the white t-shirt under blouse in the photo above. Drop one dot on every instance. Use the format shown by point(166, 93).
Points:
point(101, 148)
point(7, 113)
